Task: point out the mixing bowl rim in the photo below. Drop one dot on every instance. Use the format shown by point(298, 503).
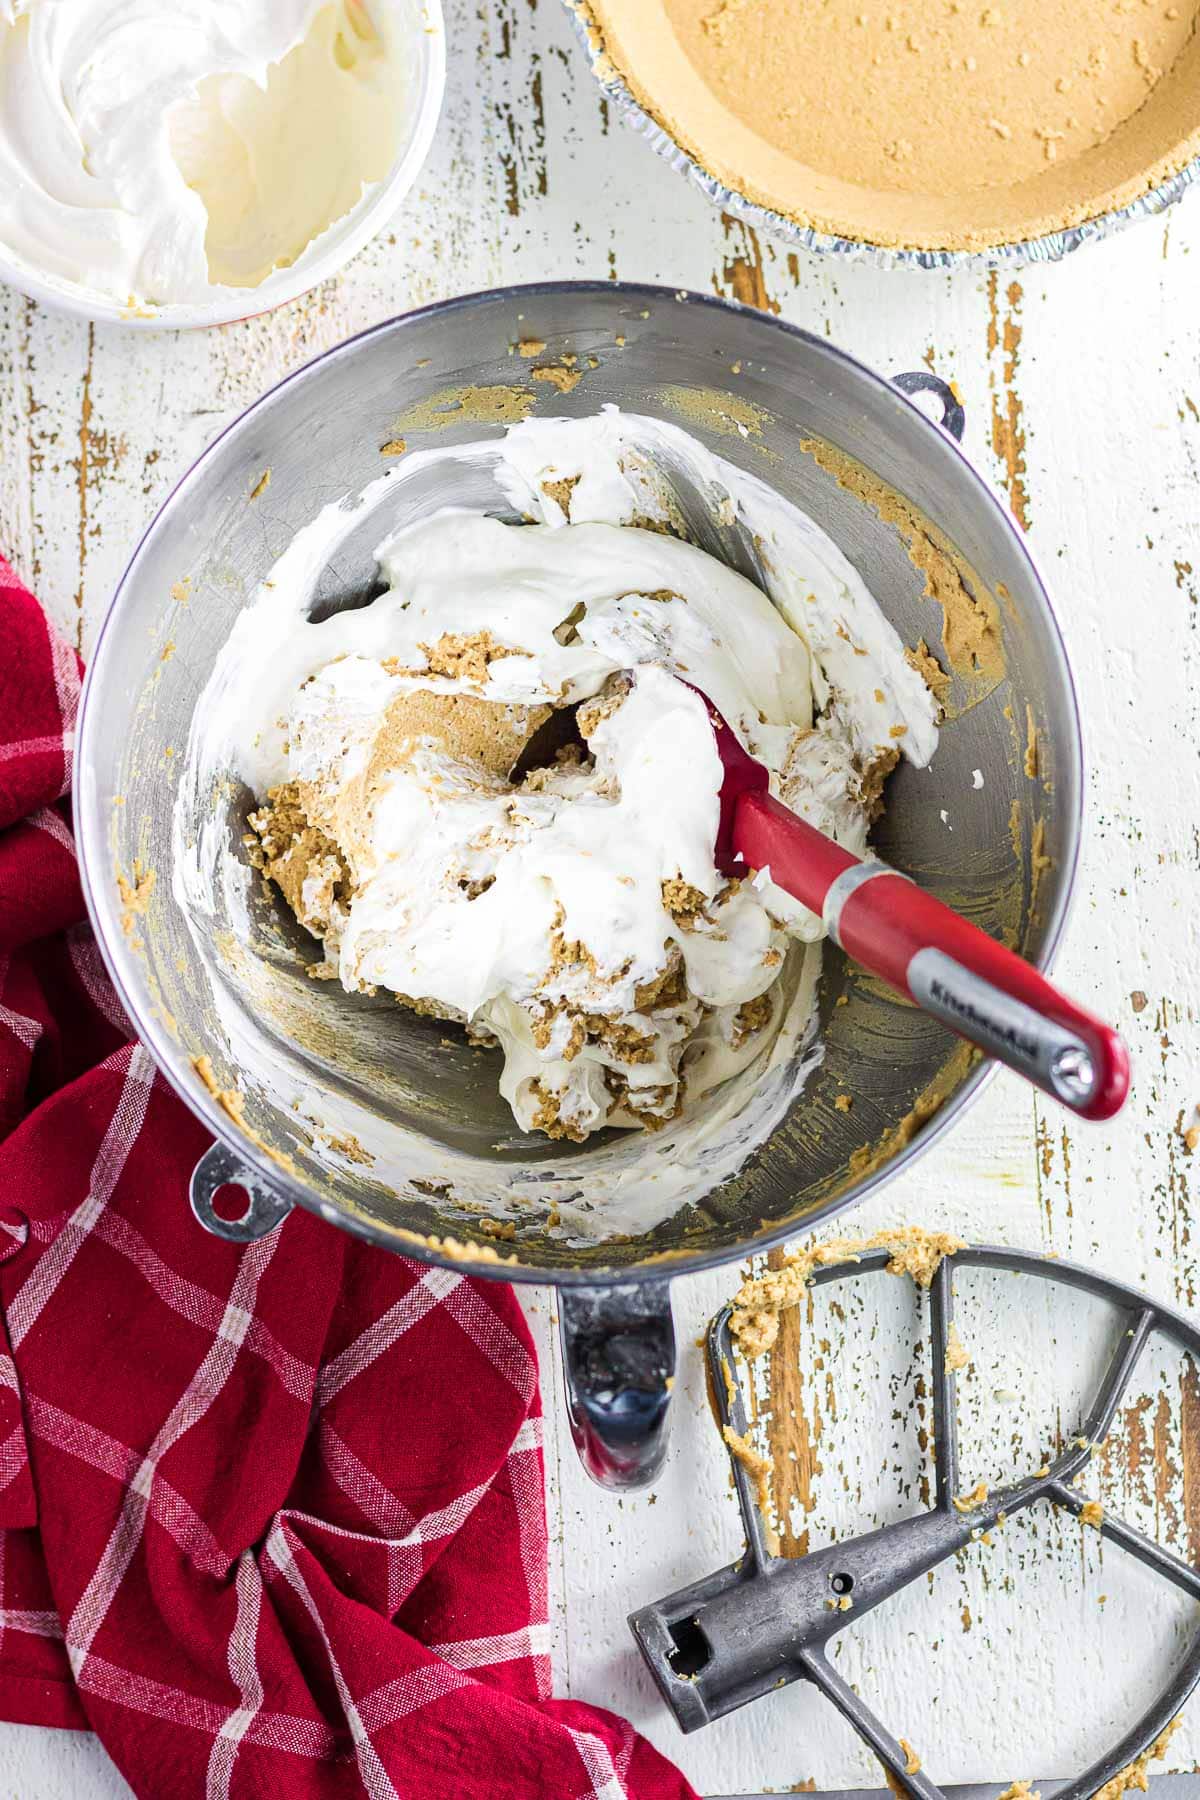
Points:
point(166, 1051)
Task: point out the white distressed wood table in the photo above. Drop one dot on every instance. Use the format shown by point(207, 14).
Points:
point(1082, 389)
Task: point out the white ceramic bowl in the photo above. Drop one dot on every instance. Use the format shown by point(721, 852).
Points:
point(422, 34)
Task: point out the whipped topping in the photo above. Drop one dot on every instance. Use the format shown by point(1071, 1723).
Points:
point(467, 894)
point(159, 151)
point(578, 919)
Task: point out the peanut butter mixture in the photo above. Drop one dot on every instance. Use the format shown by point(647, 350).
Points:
point(559, 899)
point(307, 847)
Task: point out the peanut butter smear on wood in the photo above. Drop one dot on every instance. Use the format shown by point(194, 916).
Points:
point(951, 126)
point(760, 1300)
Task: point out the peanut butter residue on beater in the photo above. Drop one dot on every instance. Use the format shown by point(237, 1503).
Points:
point(760, 1300)
point(1135, 1774)
point(957, 1354)
point(912, 1766)
point(760, 1469)
point(967, 1503)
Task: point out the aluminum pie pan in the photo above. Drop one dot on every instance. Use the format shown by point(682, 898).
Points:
point(1051, 247)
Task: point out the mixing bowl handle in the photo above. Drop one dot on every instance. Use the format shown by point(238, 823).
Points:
point(264, 1209)
point(923, 381)
point(618, 1350)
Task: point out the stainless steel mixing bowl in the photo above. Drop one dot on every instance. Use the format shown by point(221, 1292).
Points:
point(752, 388)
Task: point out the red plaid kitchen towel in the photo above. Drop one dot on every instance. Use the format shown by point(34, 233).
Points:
point(271, 1518)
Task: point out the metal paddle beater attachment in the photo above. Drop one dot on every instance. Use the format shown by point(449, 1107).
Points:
point(767, 1621)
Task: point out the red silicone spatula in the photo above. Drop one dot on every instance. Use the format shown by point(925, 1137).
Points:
point(919, 946)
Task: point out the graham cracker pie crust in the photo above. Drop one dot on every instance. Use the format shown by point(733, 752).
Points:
point(920, 124)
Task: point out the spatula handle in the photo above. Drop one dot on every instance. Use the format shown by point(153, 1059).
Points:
point(950, 968)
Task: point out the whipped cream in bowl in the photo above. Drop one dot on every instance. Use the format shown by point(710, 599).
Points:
point(190, 162)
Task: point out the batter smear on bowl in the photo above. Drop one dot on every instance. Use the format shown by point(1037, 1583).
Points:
point(571, 914)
